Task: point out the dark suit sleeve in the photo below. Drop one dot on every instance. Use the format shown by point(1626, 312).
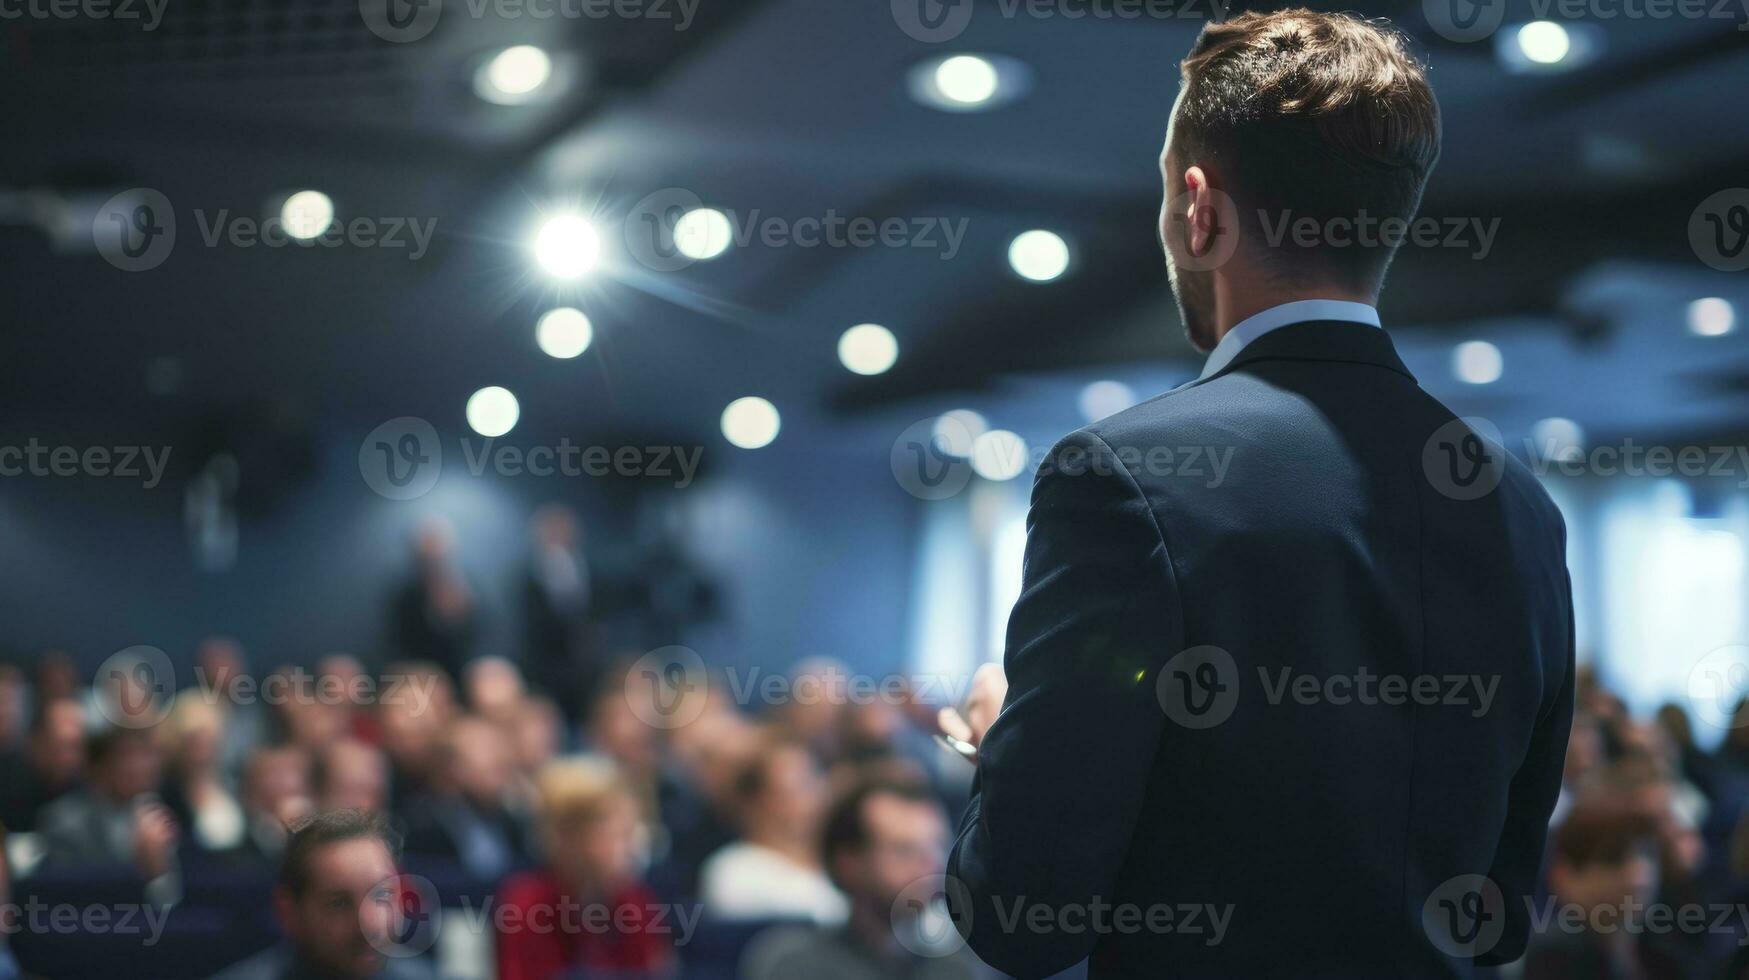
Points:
point(1064, 768)
point(1535, 788)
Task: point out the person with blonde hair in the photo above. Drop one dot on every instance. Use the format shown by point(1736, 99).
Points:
point(192, 739)
point(586, 910)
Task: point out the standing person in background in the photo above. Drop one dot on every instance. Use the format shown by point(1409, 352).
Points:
point(434, 615)
point(559, 653)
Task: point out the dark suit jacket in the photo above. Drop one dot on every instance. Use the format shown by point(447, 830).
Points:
point(1188, 732)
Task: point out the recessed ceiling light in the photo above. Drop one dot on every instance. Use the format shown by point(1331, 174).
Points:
point(513, 75)
point(1711, 317)
point(1039, 255)
point(564, 333)
point(493, 411)
point(1477, 362)
point(751, 422)
point(703, 233)
point(868, 348)
point(966, 79)
point(998, 455)
point(567, 246)
point(955, 431)
point(306, 214)
point(1544, 46)
point(1544, 42)
point(968, 82)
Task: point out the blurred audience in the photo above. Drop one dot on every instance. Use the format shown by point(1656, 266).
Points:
point(337, 902)
point(116, 819)
point(349, 774)
point(276, 792)
point(467, 816)
point(49, 766)
point(884, 843)
point(774, 871)
point(810, 827)
point(194, 788)
point(591, 833)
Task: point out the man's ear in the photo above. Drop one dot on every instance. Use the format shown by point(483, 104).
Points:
point(1202, 219)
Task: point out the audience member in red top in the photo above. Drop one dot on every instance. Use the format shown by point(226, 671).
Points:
point(585, 912)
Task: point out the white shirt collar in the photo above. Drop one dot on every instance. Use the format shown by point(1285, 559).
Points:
point(1276, 317)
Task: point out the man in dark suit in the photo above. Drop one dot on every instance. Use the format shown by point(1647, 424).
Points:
point(1289, 681)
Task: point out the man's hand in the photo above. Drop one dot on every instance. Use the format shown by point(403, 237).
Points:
point(155, 834)
point(973, 719)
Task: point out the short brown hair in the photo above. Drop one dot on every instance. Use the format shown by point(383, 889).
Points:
point(846, 825)
point(330, 827)
point(1318, 115)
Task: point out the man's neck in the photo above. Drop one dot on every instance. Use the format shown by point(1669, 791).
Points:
point(1233, 307)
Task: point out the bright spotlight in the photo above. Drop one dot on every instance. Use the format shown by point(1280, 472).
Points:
point(868, 348)
point(750, 422)
point(955, 431)
point(564, 333)
point(998, 455)
point(513, 75)
point(1544, 42)
point(1104, 398)
point(568, 246)
point(1477, 362)
point(703, 233)
point(966, 79)
point(306, 214)
point(493, 411)
point(1039, 255)
point(1711, 317)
